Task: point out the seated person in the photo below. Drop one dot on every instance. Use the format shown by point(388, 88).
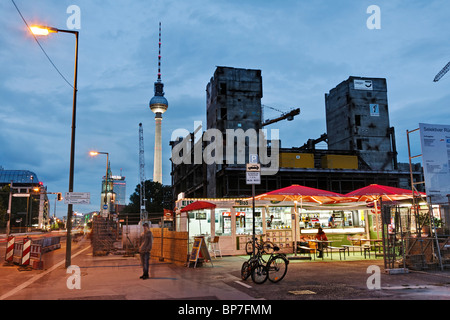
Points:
point(321, 236)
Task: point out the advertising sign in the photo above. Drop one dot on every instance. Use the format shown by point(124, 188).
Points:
point(435, 140)
point(363, 85)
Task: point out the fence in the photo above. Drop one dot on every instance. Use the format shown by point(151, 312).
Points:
point(171, 246)
point(105, 232)
point(411, 240)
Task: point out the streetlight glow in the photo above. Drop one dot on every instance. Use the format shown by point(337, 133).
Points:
point(93, 153)
point(42, 31)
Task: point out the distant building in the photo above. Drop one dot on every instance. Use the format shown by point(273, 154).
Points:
point(26, 182)
point(120, 191)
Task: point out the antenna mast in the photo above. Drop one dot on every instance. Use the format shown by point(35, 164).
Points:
point(143, 212)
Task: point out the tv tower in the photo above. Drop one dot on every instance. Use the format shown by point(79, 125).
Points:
point(158, 105)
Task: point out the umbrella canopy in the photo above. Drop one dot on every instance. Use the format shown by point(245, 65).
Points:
point(198, 205)
point(300, 194)
point(375, 191)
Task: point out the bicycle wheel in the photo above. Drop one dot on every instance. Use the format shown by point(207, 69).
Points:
point(246, 270)
point(277, 268)
point(259, 274)
point(269, 247)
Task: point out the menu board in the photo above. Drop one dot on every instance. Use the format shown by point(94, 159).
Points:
point(199, 247)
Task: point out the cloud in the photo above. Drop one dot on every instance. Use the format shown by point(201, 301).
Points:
point(303, 48)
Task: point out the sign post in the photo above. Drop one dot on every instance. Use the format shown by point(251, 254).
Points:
point(253, 174)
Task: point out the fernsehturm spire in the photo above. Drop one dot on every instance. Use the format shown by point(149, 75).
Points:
point(158, 105)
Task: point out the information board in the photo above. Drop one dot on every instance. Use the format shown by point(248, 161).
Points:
point(435, 141)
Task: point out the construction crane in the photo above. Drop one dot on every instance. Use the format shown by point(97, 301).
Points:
point(284, 115)
point(442, 73)
point(143, 212)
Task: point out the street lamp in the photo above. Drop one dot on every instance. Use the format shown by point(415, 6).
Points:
point(94, 154)
point(44, 31)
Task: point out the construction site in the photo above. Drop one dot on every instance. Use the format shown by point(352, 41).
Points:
point(410, 234)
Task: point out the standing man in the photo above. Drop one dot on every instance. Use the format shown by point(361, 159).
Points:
point(145, 248)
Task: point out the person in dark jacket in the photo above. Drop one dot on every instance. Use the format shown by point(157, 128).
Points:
point(145, 248)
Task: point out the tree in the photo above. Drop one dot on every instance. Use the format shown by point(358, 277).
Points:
point(159, 197)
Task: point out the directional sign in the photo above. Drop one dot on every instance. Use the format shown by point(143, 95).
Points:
point(77, 198)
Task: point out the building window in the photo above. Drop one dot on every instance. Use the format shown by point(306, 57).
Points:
point(357, 120)
point(359, 144)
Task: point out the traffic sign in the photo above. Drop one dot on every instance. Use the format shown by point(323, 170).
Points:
point(253, 167)
point(77, 198)
point(253, 177)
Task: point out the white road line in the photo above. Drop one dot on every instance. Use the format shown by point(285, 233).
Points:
point(243, 284)
point(37, 277)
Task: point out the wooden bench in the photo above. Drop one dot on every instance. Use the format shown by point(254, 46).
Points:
point(308, 250)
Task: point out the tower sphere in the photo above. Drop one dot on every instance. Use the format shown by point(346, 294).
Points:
point(158, 104)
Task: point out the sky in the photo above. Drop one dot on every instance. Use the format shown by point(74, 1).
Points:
point(303, 48)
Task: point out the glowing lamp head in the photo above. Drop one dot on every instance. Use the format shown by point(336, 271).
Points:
point(93, 153)
point(42, 31)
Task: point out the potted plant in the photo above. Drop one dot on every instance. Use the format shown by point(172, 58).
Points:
point(423, 223)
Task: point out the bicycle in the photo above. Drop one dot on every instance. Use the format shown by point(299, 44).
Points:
point(277, 266)
point(274, 269)
point(267, 246)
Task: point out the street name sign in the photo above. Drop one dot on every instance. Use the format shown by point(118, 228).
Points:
point(77, 198)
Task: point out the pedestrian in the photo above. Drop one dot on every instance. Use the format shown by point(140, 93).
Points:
point(145, 248)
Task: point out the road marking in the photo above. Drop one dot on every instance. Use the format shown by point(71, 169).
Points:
point(38, 276)
point(243, 284)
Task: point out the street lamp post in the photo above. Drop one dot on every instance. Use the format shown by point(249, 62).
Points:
point(95, 153)
point(43, 31)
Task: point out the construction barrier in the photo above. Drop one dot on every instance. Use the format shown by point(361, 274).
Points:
point(10, 249)
point(35, 257)
point(26, 252)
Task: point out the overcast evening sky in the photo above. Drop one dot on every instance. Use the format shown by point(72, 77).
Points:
point(304, 49)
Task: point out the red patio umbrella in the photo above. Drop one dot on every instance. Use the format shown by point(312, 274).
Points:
point(198, 205)
point(386, 193)
point(375, 192)
point(298, 193)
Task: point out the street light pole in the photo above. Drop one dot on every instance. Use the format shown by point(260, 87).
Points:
point(46, 31)
point(93, 154)
point(72, 153)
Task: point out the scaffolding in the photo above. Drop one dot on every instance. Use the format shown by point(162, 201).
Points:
point(411, 237)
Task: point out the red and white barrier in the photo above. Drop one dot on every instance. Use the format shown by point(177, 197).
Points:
point(10, 249)
point(26, 252)
point(35, 256)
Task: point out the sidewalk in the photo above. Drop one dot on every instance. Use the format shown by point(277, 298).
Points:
point(115, 277)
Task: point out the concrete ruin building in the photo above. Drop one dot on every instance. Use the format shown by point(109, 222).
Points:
point(361, 142)
point(357, 116)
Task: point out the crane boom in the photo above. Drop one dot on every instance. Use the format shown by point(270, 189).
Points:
point(287, 115)
point(442, 73)
point(143, 212)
